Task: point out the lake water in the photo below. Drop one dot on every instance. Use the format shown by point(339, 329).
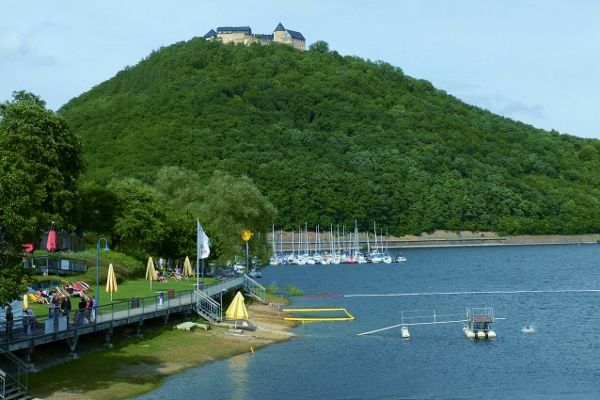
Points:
point(561, 360)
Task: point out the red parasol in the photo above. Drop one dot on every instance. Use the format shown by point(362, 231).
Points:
point(28, 247)
point(51, 242)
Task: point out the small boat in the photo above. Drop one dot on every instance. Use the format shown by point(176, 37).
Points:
point(400, 259)
point(387, 259)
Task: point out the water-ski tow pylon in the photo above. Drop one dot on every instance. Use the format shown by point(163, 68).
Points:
point(476, 324)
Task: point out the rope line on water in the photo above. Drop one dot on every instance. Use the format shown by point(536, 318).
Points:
point(472, 292)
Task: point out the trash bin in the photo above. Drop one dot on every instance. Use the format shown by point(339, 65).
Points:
point(161, 298)
point(171, 293)
point(135, 302)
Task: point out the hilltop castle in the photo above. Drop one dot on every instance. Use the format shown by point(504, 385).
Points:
point(243, 34)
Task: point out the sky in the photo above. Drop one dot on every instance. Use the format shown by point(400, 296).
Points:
point(536, 61)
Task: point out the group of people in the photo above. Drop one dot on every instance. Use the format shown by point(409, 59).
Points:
point(86, 310)
point(60, 306)
point(27, 320)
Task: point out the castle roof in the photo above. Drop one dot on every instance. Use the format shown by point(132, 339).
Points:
point(210, 34)
point(279, 28)
point(295, 35)
point(230, 29)
point(266, 37)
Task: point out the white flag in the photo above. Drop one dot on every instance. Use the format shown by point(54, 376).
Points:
point(202, 241)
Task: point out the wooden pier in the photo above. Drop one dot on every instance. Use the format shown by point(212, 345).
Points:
point(68, 328)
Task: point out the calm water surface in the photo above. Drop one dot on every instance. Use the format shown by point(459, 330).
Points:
point(561, 360)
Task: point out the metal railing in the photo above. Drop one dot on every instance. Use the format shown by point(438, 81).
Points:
point(134, 309)
point(55, 266)
point(13, 370)
point(28, 328)
point(207, 306)
point(254, 288)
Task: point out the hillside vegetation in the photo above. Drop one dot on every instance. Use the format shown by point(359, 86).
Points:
point(330, 139)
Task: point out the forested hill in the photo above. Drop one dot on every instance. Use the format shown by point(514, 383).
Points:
point(330, 139)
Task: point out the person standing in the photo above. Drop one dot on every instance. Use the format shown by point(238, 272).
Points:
point(25, 319)
point(88, 310)
point(9, 322)
point(94, 308)
point(80, 310)
point(31, 322)
point(65, 306)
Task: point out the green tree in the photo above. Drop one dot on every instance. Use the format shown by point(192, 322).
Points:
point(40, 162)
point(140, 226)
point(320, 46)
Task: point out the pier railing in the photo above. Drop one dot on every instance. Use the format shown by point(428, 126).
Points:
point(13, 371)
point(31, 331)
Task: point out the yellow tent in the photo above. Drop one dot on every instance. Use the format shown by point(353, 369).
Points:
point(237, 308)
point(187, 267)
point(150, 272)
point(111, 281)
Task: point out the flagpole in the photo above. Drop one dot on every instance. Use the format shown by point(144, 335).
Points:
point(198, 250)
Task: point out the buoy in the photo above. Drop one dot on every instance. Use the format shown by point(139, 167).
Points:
point(481, 335)
point(491, 335)
point(405, 333)
point(469, 333)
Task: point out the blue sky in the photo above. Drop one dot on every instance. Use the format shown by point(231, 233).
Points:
point(534, 61)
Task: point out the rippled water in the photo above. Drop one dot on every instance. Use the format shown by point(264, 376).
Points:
point(561, 359)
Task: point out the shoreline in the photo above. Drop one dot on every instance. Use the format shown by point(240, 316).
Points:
point(444, 238)
point(468, 239)
point(140, 366)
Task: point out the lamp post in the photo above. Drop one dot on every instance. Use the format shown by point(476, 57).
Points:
point(98, 265)
point(246, 236)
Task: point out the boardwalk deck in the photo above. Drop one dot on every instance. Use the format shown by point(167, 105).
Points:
point(113, 315)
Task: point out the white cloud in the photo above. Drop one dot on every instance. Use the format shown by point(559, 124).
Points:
point(15, 48)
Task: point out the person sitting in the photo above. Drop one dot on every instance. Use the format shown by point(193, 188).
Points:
point(161, 276)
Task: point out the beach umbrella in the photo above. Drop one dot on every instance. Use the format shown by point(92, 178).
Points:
point(187, 267)
point(237, 309)
point(51, 241)
point(111, 281)
point(150, 272)
point(25, 302)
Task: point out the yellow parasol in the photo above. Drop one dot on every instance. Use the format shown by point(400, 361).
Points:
point(237, 308)
point(150, 272)
point(25, 302)
point(187, 267)
point(111, 281)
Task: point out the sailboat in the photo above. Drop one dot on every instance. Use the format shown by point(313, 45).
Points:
point(387, 259)
point(274, 260)
point(376, 255)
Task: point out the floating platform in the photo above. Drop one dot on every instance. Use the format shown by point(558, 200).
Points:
point(347, 316)
point(476, 325)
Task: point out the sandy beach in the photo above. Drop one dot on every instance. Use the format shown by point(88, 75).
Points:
point(140, 366)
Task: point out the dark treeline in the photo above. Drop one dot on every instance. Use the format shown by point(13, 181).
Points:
point(330, 139)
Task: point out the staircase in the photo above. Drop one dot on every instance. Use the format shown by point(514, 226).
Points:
point(13, 377)
point(254, 289)
point(208, 308)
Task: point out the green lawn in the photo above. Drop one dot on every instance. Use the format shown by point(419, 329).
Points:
point(127, 290)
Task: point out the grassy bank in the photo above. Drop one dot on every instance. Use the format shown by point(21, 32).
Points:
point(138, 365)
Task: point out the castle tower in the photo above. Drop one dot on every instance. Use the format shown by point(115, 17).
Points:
point(281, 35)
point(288, 36)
